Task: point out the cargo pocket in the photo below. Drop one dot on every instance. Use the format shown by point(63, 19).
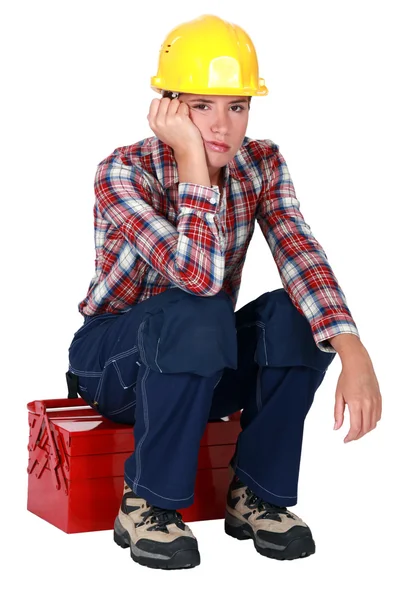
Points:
point(116, 391)
point(195, 335)
point(284, 336)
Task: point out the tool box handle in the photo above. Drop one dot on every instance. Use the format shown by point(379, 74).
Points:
point(39, 407)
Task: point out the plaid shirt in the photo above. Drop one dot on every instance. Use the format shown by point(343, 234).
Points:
point(153, 233)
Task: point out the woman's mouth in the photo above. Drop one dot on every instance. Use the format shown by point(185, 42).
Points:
point(217, 146)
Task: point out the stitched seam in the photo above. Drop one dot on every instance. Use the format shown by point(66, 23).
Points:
point(99, 386)
point(109, 361)
point(119, 375)
point(262, 487)
point(155, 360)
point(165, 497)
point(85, 373)
point(115, 412)
point(146, 421)
point(121, 355)
point(145, 406)
point(126, 387)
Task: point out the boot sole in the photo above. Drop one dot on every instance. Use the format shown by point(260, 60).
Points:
point(299, 547)
point(182, 559)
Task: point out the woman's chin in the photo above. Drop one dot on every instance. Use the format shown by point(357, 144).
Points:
point(217, 162)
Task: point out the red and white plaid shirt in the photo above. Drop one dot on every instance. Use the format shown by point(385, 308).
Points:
point(153, 233)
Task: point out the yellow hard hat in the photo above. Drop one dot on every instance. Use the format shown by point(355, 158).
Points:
point(209, 56)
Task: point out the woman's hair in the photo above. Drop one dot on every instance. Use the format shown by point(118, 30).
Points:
point(172, 95)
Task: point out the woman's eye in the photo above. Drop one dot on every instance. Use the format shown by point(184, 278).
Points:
point(204, 106)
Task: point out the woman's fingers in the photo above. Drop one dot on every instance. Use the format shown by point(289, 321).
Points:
point(171, 123)
point(339, 410)
point(153, 111)
point(173, 107)
point(356, 422)
point(183, 109)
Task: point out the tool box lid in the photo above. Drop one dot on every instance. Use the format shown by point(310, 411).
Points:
point(85, 431)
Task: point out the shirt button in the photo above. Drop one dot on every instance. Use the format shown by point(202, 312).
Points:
point(213, 201)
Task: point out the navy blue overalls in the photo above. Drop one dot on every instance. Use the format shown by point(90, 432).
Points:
point(176, 360)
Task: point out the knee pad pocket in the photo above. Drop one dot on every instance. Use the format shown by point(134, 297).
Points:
point(191, 335)
point(284, 336)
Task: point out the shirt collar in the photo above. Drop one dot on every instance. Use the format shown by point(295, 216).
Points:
point(240, 167)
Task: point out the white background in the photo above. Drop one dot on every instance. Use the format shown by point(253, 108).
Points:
point(75, 86)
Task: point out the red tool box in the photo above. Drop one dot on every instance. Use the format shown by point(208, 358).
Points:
point(76, 466)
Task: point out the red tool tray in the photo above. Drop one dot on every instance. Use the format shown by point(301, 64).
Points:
point(76, 466)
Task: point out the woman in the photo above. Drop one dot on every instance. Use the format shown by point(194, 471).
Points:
point(162, 347)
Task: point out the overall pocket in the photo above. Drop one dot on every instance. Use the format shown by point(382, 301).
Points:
point(115, 396)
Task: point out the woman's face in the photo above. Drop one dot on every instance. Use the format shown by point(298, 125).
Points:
point(220, 119)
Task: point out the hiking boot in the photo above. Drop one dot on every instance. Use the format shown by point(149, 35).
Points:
point(276, 532)
point(157, 537)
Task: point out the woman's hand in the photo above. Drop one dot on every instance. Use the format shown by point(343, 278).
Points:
point(170, 121)
point(358, 388)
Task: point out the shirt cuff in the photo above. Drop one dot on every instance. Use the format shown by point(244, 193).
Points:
point(328, 327)
point(199, 197)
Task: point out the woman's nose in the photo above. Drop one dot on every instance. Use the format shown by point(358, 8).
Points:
point(220, 123)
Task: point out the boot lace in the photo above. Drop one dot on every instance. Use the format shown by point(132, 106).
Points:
point(162, 517)
point(262, 506)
